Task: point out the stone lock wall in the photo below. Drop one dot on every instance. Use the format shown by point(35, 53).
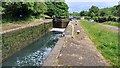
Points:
point(16, 40)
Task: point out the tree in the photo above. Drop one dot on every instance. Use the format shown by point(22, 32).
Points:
point(92, 15)
point(118, 10)
point(75, 14)
point(15, 11)
point(51, 9)
point(39, 8)
point(61, 9)
point(84, 13)
point(113, 11)
point(102, 13)
point(1, 9)
point(23, 10)
point(95, 10)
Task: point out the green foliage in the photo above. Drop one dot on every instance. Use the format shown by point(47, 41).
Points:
point(94, 11)
point(106, 41)
point(61, 9)
point(75, 14)
point(102, 15)
point(95, 18)
point(112, 11)
point(22, 10)
point(108, 18)
point(57, 9)
point(112, 23)
point(118, 10)
point(15, 11)
point(1, 8)
point(108, 11)
point(92, 14)
point(87, 17)
point(51, 9)
point(84, 13)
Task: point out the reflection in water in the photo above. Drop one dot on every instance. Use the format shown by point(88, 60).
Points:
point(35, 53)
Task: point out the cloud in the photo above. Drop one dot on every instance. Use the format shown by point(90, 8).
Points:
point(79, 6)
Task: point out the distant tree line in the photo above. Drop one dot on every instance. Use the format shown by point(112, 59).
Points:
point(15, 11)
point(101, 15)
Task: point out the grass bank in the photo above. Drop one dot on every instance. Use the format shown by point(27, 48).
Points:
point(112, 23)
point(105, 40)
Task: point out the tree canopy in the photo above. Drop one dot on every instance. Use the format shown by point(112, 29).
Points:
point(26, 10)
point(94, 11)
point(23, 10)
point(51, 9)
point(61, 9)
point(103, 14)
point(84, 13)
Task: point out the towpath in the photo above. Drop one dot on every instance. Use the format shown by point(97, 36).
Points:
point(112, 28)
point(76, 51)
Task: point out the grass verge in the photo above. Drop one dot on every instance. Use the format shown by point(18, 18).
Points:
point(11, 25)
point(105, 40)
point(112, 23)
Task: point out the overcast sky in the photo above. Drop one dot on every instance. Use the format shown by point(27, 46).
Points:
point(79, 5)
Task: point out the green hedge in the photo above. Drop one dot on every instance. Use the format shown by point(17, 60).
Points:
point(112, 23)
point(104, 19)
point(17, 40)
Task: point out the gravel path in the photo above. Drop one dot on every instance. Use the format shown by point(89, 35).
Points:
point(112, 28)
point(79, 50)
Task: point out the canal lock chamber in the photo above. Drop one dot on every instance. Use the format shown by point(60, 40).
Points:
point(35, 53)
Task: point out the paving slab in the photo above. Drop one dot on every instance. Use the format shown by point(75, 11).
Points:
point(80, 51)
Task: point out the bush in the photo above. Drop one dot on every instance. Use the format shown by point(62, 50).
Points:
point(106, 18)
point(87, 17)
point(118, 19)
point(95, 18)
